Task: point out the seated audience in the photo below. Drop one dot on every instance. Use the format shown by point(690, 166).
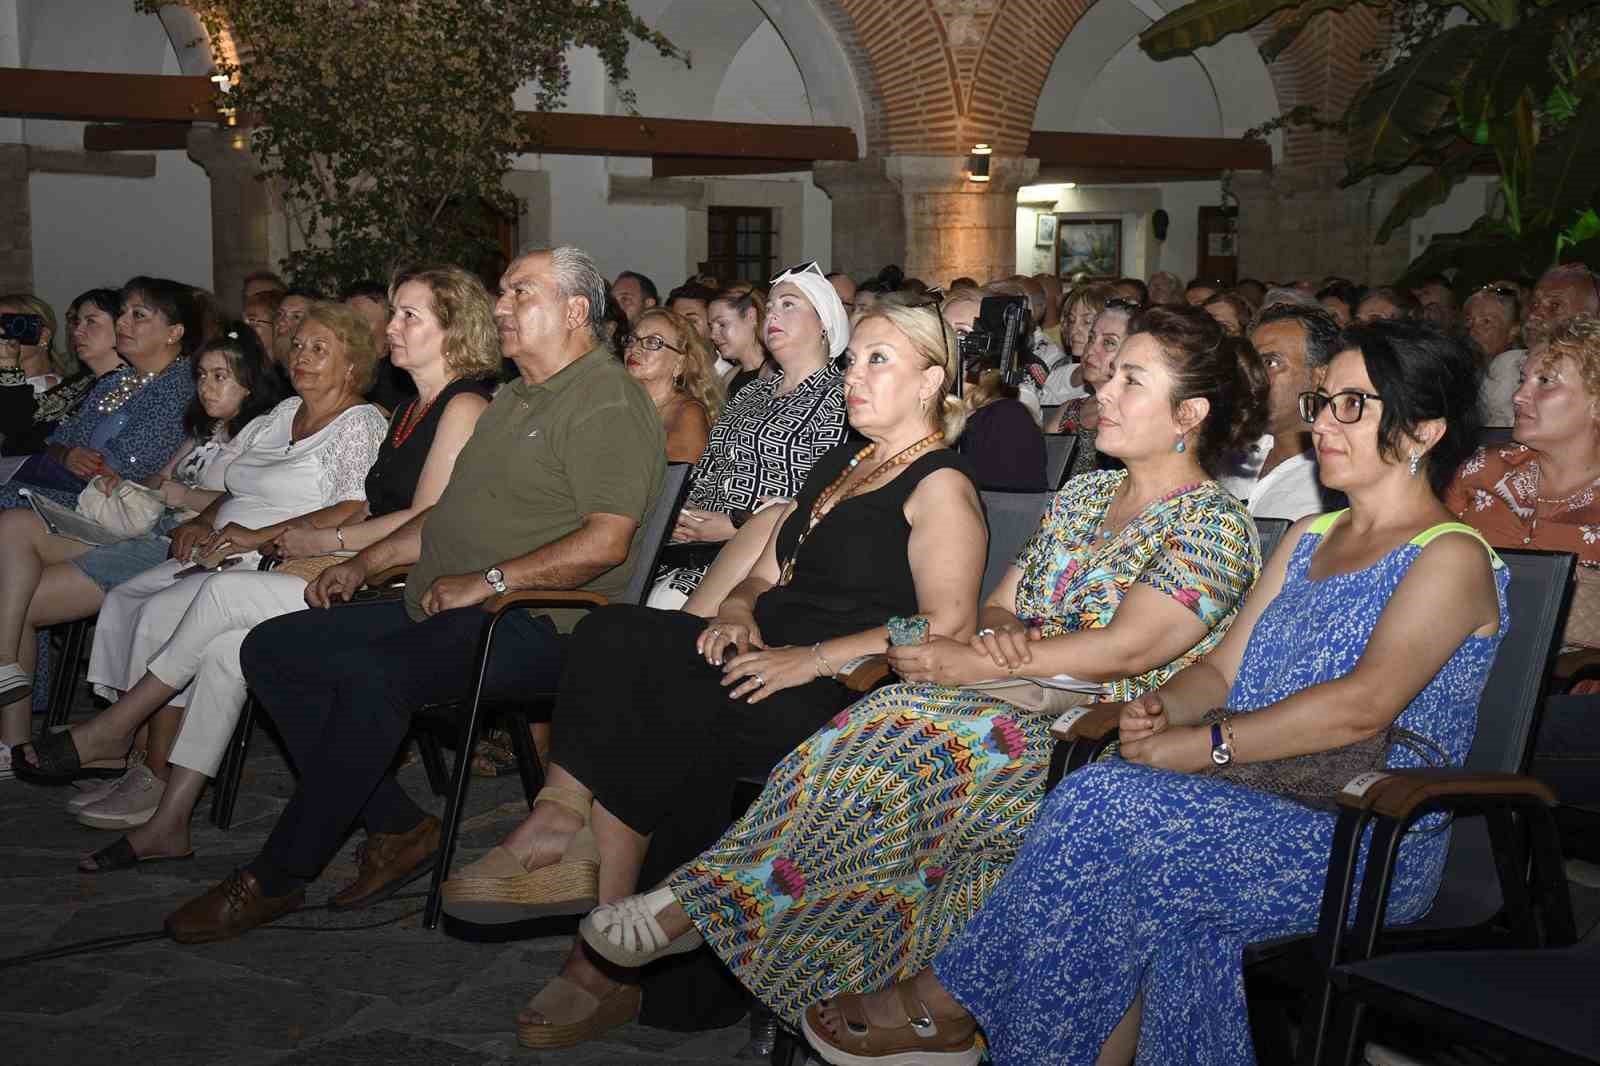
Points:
point(1038, 356)
point(1081, 417)
point(846, 288)
point(131, 422)
point(1562, 292)
point(766, 442)
point(31, 404)
point(1197, 292)
point(286, 322)
point(1276, 476)
point(1065, 381)
point(261, 313)
point(1386, 302)
point(886, 281)
point(1001, 442)
point(1230, 311)
point(1493, 321)
point(1340, 299)
point(260, 283)
point(736, 316)
point(1436, 302)
point(443, 335)
point(392, 387)
point(1050, 324)
point(1132, 576)
point(311, 452)
point(549, 492)
point(1165, 287)
point(1251, 292)
point(635, 294)
point(616, 328)
point(1282, 294)
point(667, 355)
point(46, 579)
point(890, 528)
point(1132, 289)
point(693, 302)
point(1121, 926)
point(43, 363)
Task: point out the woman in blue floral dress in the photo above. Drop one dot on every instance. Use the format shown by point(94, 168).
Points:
point(880, 835)
point(1120, 928)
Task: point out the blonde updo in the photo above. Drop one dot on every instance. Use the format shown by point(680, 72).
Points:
point(932, 338)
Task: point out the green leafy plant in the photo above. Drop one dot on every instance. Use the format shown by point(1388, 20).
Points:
point(1513, 89)
point(386, 126)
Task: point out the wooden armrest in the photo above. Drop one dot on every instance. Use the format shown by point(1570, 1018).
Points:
point(1094, 722)
point(1399, 794)
point(868, 674)
point(1571, 663)
point(553, 598)
point(394, 575)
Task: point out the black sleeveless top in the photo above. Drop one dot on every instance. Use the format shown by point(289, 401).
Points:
point(853, 571)
point(392, 480)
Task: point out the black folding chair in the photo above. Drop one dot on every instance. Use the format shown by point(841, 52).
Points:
point(68, 668)
point(1058, 449)
point(1269, 531)
point(657, 528)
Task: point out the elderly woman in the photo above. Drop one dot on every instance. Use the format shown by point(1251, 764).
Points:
point(441, 333)
point(1492, 317)
point(1081, 417)
point(310, 453)
point(1078, 312)
point(1388, 613)
point(887, 528)
point(131, 422)
point(880, 834)
point(666, 355)
point(766, 442)
point(46, 579)
point(735, 317)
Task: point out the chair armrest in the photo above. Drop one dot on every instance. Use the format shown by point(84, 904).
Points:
point(394, 575)
point(1097, 721)
point(866, 673)
point(1401, 794)
point(548, 598)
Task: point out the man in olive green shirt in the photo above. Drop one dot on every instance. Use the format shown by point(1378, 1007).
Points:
point(550, 492)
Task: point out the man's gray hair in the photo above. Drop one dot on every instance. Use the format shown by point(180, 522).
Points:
point(577, 275)
point(1282, 294)
point(1579, 273)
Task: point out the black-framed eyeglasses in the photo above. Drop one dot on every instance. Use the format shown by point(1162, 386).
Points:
point(1119, 303)
point(1347, 405)
point(809, 267)
point(650, 342)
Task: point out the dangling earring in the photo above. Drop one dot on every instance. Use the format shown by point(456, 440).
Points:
point(1415, 463)
point(1181, 446)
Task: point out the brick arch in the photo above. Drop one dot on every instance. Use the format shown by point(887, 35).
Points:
point(1009, 69)
point(1323, 68)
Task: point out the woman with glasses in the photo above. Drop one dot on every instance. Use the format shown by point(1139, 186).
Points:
point(1121, 926)
point(1081, 417)
point(769, 438)
point(666, 355)
point(661, 712)
point(879, 835)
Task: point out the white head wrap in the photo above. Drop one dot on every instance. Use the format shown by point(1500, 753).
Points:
point(825, 301)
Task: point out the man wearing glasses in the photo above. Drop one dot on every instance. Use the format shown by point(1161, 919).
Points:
point(1276, 477)
point(1563, 291)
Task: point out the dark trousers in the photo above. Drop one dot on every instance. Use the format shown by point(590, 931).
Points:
point(341, 685)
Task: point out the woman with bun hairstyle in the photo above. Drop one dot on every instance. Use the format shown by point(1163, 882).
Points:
point(893, 822)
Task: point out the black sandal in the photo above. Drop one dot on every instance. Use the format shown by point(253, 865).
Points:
point(119, 855)
point(58, 762)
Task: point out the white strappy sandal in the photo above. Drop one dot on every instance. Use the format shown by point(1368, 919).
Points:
point(626, 932)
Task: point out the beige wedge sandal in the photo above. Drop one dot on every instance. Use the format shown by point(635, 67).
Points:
point(574, 1015)
point(498, 890)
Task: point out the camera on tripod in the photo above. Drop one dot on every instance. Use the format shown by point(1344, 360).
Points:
point(999, 338)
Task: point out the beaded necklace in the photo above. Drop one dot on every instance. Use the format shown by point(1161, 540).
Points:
point(119, 394)
point(900, 458)
point(412, 419)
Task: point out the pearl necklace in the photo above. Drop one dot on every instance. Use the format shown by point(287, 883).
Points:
point(132, 381)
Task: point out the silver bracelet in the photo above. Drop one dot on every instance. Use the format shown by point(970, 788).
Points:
point(822, 661)
point(338, 531)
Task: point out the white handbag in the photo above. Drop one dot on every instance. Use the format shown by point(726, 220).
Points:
point(130, 508)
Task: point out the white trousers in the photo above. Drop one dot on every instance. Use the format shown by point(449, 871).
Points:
point(136, 618)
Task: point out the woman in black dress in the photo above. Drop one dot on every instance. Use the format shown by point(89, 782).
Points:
point(662, 712)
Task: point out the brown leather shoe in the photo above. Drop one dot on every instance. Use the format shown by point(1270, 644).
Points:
point(389, 861)
point(229, 909)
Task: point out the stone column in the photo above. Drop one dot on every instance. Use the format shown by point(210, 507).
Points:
point(955, 226)
point(241, 208)
point(1296, 222)
point(16, 222)
point(869, 227)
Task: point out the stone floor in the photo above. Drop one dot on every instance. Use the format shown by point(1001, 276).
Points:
point(311, 991)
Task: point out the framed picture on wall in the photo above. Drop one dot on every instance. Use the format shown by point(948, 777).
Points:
point(1045, 235)
point(1089, 246)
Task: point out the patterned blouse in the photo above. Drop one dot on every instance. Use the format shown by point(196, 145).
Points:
point(1070, 420)
point(152, 430)
point(1495, 491)
point(763, 446)
point(1197, 546)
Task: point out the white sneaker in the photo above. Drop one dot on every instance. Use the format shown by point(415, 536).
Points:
point(131, 802)
point(6, 773)
point(93, 789)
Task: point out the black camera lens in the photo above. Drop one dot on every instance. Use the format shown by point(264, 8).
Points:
point(23, 329)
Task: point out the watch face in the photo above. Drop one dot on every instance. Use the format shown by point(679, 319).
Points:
point(494, 576)
point(1222, 755)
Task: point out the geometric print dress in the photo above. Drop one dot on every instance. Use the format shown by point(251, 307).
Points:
point(880, 835)
point(1140, 879)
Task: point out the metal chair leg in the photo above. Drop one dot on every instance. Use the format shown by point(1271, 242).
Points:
point(787, 1048)
point(64, 681)
point(528, 762)
point(432, 761)
point(225, 789)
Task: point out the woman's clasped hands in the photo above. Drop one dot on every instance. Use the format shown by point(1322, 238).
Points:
point(751, 670)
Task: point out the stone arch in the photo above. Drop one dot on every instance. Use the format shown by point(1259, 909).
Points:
point(190, 42)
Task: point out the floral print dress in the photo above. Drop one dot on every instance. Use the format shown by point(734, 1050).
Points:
point(878, 837)
point(1138, 879)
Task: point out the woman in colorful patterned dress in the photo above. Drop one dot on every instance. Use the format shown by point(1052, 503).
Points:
point(1122, 923)
point(879, 836)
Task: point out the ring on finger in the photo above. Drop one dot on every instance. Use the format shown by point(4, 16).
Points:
point(985, 632)
point(760, 681)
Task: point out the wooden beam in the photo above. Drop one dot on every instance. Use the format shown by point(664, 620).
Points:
point(1148, 153)
point(66, 161)
point(627, 135)
point(1120, 175)
point(136, 136)
point(85, 96)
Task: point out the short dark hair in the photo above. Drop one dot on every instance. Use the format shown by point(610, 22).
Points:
point(1144, 290)
point(647, 288)
point(177, 304)
point(1347, 293)
point(692, 290)
point(107, 300)
point(1321, 331)
point(1206, 363)
point(617, 320)
point(375, 291)
point(252, 368)
point(1422, 373)
point(304, 293)
point(1399, 299)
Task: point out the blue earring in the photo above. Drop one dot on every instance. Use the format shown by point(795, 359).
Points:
point(1180, 446)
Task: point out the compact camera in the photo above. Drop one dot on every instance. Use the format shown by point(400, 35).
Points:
point(23, 329)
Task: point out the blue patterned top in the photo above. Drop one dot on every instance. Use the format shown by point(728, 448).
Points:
point(152, 426)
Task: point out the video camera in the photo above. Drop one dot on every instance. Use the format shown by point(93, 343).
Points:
point(999, 338)
point(24, 329)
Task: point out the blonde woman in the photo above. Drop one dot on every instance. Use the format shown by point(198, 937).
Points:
point(667, 356)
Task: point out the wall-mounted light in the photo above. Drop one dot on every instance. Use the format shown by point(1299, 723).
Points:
point(222, 82)
point(978, 163)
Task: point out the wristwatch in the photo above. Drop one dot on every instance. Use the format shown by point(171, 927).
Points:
point(1221, 750)
point(496, 578)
